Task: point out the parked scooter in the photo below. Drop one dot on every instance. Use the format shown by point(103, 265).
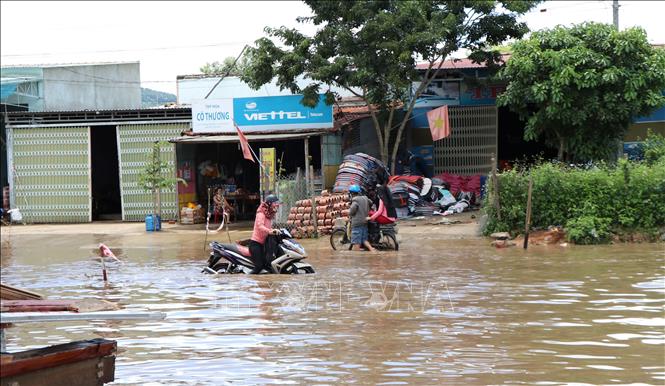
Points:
point(236, 258)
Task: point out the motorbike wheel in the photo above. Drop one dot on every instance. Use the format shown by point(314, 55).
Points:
point(390, 242)
point(305, 270)
point(338, 239)
point(221, 268)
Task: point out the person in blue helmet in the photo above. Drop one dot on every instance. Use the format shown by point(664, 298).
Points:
point(359, 214)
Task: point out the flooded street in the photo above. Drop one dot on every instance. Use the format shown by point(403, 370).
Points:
point(441, 311)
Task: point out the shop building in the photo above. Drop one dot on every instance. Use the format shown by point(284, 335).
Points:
point(479, 129)
point(66, 87)
point(286, 136)
point(82, 166)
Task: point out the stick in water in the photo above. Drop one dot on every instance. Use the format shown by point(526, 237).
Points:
point(105, 251)
point(528, 214)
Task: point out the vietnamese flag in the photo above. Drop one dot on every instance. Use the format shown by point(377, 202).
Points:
point(439, 123)
point(246, 151)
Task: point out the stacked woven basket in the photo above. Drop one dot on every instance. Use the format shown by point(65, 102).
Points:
point(328, 208)
point(362, 170)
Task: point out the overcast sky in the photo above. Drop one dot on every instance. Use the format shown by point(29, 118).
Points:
point(175, 38)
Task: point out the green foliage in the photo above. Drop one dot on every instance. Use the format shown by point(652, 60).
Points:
point(217, 68)
point(629, 196)
point(654, 147)
point(371, 48)
point(578, 88)
point(588, 230)
point(153, 176)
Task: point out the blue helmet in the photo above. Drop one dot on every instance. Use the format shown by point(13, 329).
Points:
point(354, 189)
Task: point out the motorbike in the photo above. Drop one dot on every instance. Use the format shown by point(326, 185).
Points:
point(382, 237)
point(236, 258)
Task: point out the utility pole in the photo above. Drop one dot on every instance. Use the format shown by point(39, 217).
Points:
point(615, 19)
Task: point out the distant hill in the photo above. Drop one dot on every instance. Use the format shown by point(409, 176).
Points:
point(154, 98)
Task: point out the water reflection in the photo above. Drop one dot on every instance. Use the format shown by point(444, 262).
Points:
point(437, 312)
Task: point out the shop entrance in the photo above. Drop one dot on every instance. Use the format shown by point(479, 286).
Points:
point(512, 146)
point(106, 203)
point(221, 165)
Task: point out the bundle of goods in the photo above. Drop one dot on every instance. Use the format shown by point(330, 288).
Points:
point(406, 193)
point(459, 184)
point(360, 169)
point(449, 203)
point(192, 214)
point(328, 208)
point(445, 194)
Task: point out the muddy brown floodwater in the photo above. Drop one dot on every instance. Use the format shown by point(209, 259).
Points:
point(440, 311)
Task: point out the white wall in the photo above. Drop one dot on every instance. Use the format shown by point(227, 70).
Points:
point(94, 87)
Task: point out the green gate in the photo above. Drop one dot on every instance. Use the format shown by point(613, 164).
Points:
point(135, 149)
point(51, 174)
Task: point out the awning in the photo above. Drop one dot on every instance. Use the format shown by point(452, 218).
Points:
point(231, 138)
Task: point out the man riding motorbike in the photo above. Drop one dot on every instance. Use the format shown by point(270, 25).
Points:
point(263, 243)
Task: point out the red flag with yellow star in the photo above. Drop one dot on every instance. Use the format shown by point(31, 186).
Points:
point(439, 124)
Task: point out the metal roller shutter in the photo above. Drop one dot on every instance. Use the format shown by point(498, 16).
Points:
point(134, 149)
point(51, 174)
point(473, 138)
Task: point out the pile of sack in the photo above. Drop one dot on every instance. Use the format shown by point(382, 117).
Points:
point(328, 208)
point(362, 170)
point(456, 184)
point(443, 195)
point(406, 193)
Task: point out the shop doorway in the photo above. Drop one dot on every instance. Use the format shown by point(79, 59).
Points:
point(106, 202)
point(512, 146)
point(221, 164)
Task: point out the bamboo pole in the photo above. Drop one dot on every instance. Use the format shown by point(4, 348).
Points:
point(495, 185)
point(307, 175)
point(528, 214)
point(208, 214)
point(315, 213)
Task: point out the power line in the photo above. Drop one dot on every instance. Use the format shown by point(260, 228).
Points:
point(571, 4)
point(127, 50)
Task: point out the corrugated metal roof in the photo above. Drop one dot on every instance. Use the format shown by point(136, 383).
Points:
point(458, 64)
point(52, 65)
point(23, 118)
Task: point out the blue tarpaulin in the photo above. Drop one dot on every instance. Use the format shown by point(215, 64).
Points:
point(7, 89)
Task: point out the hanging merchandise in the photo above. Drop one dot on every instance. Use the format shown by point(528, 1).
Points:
point(209, 169)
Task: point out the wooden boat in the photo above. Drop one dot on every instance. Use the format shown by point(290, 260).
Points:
point(82, 363)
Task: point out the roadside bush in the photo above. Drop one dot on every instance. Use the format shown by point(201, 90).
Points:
point(588, 230)
point(591, 201)
point(654, 147)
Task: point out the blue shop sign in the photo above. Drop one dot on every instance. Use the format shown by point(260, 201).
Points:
point(280, 112)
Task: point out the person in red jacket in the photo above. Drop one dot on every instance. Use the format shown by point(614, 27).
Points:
point(262, 245)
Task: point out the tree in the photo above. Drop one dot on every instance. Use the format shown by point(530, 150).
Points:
point(371, 48)
point(217, 68)
point(153, 179)
point(579, 88)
